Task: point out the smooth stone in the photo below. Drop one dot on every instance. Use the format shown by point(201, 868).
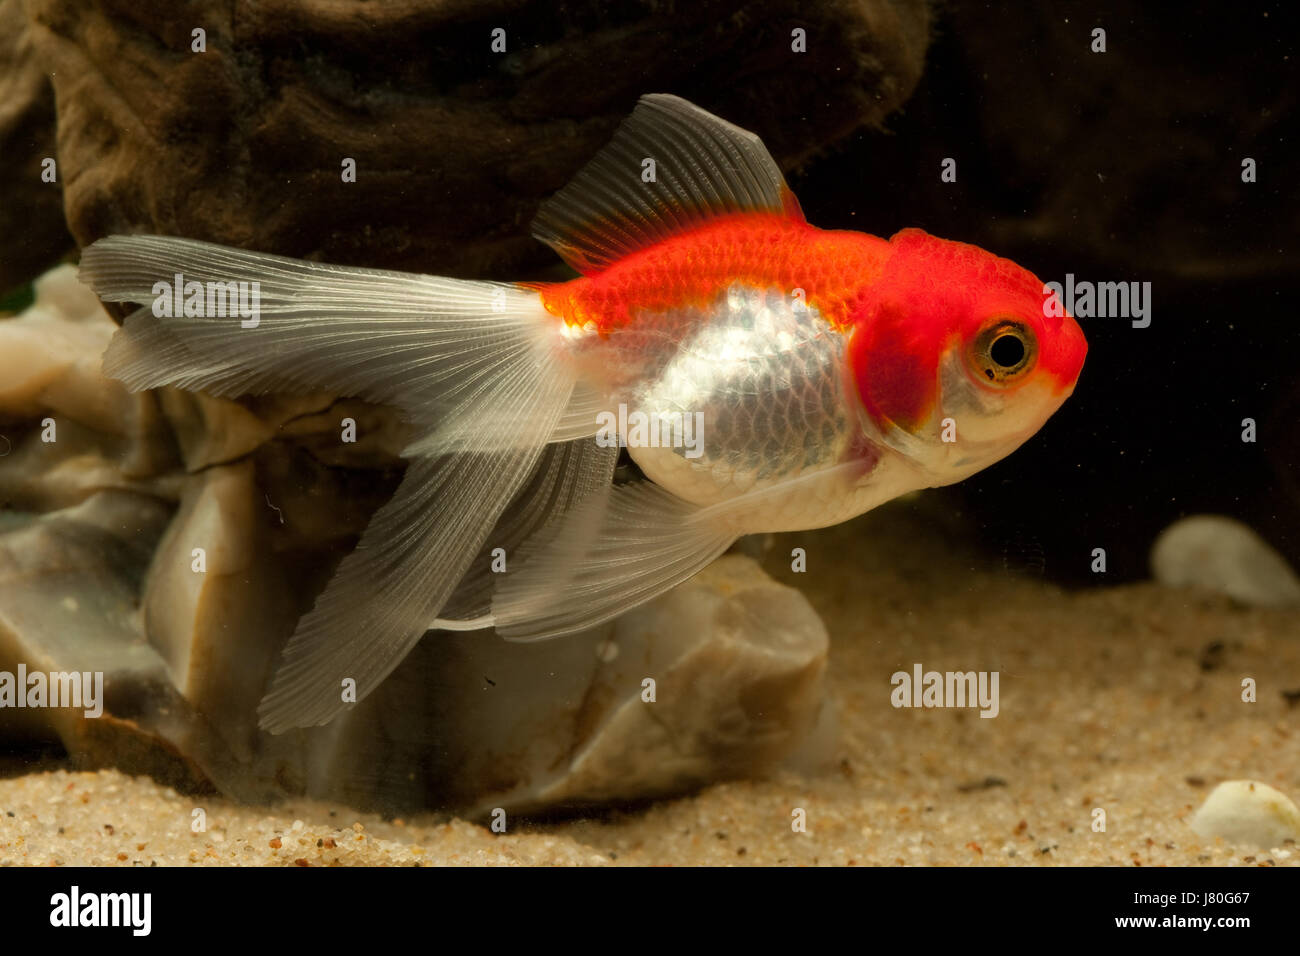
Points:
point(104, 435)
point(69, 586)
point(1246, 811)
point(220, 628)
point(737, 661)
point(1218, 554)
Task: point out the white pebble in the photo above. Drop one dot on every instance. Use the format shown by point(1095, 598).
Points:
point(1218, 554)
point(1246, 811)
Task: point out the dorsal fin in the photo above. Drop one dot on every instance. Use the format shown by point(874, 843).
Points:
point(703, 167)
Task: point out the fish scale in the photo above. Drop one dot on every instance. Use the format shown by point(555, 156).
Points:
point(764, 374)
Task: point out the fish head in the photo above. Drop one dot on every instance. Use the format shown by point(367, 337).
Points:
point(958, 356)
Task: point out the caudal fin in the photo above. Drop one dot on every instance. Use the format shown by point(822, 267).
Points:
point(476, 366)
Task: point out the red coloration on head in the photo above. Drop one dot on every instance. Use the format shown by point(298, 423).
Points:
point(933, 295)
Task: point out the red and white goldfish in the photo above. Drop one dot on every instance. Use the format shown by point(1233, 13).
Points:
point(820, 373)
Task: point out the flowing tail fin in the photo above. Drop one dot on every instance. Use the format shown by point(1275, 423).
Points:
point(476, 366)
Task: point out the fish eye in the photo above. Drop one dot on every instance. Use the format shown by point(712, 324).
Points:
point(1004, 351)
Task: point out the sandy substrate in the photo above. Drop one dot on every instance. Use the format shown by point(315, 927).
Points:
point(1126, 700)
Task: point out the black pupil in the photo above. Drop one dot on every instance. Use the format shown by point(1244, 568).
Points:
point(1007, 351)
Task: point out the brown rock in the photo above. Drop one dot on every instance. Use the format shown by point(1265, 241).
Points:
point(455, 145)
point(31, 211)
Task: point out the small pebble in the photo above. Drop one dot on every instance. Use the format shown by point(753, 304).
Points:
point(1246, 811)
point(1218, 554)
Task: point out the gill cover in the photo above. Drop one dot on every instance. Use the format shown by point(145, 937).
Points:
point(897, 336)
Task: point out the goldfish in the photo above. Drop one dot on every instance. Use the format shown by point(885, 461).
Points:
point(764, 375)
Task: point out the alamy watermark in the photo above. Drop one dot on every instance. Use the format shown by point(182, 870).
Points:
point(75, 908)
point(923, 688)
point(212, 300)
point(76, 689)
point(1099, 300)
point(637, 429)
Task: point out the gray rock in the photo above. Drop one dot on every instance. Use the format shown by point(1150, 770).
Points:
point(68, 602)
point(98, 572)
point(102, 437)
point(737, 662)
